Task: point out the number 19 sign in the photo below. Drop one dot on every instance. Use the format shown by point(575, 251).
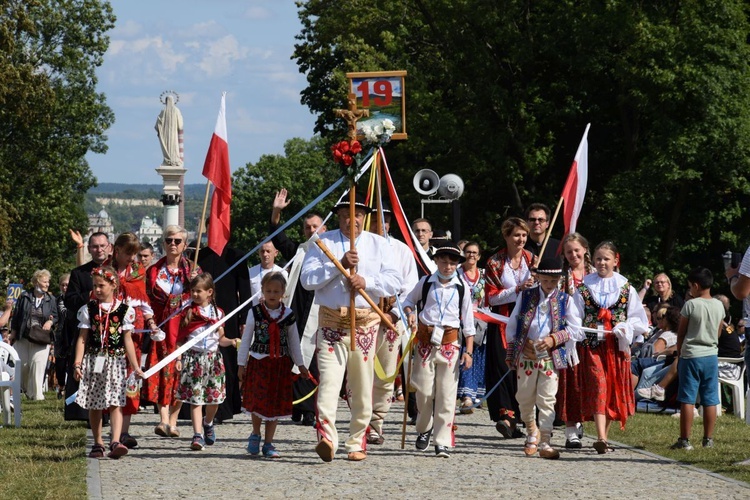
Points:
point(383, 93)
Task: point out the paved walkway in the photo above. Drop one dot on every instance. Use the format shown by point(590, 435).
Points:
point(482, 466)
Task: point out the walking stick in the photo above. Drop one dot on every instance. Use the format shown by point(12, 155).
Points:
point(407, 374)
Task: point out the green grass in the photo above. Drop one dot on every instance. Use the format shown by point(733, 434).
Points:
point(656, 433)
point(45, 457)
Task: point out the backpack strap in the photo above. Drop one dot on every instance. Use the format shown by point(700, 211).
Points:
point(425, 290)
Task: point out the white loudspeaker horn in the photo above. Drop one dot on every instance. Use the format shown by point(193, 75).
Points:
point(451, 187)
point(426, 182)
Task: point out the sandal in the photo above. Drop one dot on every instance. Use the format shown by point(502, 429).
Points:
point(117, 450)
point(97, 451)
point(467, 406)
point(530, 446)
point(601, 446)
point(504, 428)
point(173, 431)
point(162, 430)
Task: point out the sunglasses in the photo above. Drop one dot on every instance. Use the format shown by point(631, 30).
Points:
point(176, 241)
point(537, 219)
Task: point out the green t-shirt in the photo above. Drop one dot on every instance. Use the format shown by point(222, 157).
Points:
point(702, 337)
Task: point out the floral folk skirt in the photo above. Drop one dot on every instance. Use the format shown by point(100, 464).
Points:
point(202, 380)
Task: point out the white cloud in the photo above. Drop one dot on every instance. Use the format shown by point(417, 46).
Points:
point(127, 29)
point(220, 55)
point(257, 13)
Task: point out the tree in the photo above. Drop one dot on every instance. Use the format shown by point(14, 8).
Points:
point(502, 99)
point(51, 117)
point(305, 170)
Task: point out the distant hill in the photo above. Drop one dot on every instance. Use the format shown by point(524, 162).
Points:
point(191, 190)
point(128, 218)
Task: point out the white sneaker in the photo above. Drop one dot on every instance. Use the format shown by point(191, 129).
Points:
point(654, 393)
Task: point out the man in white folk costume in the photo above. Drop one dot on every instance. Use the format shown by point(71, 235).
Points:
point(389, 340)
point(378, 276)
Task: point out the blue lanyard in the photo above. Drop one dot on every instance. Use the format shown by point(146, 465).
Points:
point(437, 299)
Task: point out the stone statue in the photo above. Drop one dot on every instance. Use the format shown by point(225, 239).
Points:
point(169, 130)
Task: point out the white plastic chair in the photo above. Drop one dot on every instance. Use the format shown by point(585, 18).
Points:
point(7, 353)
point(738, 386)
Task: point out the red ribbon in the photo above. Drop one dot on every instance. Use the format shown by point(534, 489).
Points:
point(274, 332)
point(605, 316)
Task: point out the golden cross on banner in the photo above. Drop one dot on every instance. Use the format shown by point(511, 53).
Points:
point(351, 116)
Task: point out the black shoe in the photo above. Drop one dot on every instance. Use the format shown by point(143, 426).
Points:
point(441, 451)
point(504, 428)
point(308, 420)
point(573, 444)
point(128, 440)
point(423, 440)
point(296, 416)
point(412, 421)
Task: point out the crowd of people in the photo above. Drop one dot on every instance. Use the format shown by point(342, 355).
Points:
point(539, 331)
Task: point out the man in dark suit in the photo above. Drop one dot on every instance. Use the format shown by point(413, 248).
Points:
point(78, 294)
point(303, 299)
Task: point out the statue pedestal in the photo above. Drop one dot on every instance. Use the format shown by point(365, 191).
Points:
point(172, 194)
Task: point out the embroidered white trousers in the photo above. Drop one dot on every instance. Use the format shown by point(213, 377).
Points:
point(435, 378)
point(336, 359)
point(388, 345)
point(537, 387)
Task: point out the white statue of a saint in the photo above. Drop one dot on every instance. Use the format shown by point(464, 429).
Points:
point(169, 130)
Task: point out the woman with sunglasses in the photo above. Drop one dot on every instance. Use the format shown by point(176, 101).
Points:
point(168, 287)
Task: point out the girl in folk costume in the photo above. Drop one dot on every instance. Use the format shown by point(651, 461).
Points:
point(606, 301)
point(507, 274)
point(576, 265)
point(105, 326)
point(202, 378)
point(168, 287)
point(132, 292)
point(272, 342)
point(471, 386)
point(543, 320)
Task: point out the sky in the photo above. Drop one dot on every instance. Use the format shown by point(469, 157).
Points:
point(199, 48)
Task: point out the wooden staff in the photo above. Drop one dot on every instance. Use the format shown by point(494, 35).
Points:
point(405, 392)
point(383, 317)
point(200, 226)
point(352, 237)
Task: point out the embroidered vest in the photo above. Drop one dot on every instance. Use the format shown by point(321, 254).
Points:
point(591, 308)
point(115, 345)
point(529, 304)
point(261, 339)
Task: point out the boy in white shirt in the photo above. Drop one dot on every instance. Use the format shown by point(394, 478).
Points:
point(445, 310)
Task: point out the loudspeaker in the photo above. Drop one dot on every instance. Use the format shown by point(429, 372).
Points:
point(426, 182)
point(451, 187)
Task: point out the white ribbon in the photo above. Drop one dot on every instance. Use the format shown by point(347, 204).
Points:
point(190, 343)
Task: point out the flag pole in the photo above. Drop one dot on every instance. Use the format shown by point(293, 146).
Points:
point(201, 223)
point(549, 229)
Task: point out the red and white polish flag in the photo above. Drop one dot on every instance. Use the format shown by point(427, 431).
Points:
point(575, 186)
point(216, 170)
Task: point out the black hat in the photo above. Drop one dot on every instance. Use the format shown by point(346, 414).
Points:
point(446, 247)
point(550, 266)
point(358, 202)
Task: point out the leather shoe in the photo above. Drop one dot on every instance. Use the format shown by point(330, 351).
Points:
point(357, 456)
point(308, 419)
point(324, 449)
